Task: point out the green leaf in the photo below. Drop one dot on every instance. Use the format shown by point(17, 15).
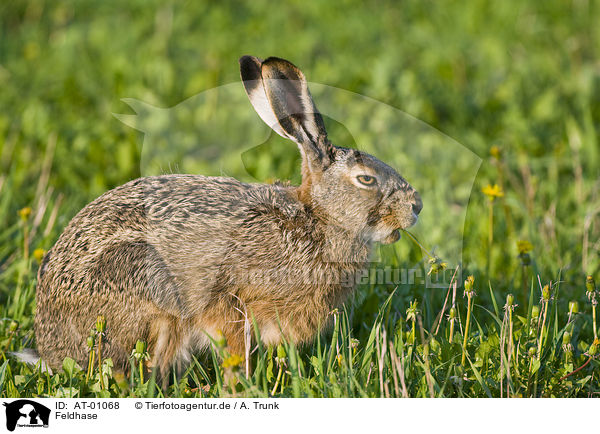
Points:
point(19, 379)
point(66, 392)
point(3, 375)
point(314, 361)
point(70, 367)
point(496, 311)
point(480, 379)
point(584, 380)
point(370, 347)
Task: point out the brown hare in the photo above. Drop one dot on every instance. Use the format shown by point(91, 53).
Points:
point(176, 259)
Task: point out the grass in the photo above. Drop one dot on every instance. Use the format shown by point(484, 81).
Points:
point(516, 204)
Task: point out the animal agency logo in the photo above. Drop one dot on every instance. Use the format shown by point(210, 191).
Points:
point(216, 133)
point(26, 413)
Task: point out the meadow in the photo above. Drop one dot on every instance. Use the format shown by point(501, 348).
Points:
point(490, 109)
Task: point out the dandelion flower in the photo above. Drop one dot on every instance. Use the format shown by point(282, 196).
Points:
point(524, 247)
point(495, 151)
point(233, 361)
point(492, 191)
point(38, 254)
point(24, 213)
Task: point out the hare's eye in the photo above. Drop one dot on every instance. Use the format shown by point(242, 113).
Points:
point(367, 180)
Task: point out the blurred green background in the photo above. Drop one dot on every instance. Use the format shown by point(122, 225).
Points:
point(522, 76)
point(456, 95)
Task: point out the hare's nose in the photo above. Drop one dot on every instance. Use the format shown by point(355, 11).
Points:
point(417, 204)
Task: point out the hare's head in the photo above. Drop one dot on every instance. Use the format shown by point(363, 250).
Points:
point(344, 186)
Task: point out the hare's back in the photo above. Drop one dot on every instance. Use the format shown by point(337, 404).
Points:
point(145, 218)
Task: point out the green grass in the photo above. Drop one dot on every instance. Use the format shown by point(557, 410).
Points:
point(522, 78)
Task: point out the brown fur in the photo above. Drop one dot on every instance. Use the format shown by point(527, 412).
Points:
point(174, 259)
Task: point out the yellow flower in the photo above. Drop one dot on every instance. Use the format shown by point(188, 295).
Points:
point(38, 254)
point(495, 151)
point(492, 191)
point(524, 247)
point(220, 340)
point(24, 213)
point(233, 361)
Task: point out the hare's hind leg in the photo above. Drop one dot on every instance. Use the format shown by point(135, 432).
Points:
point(165, 341)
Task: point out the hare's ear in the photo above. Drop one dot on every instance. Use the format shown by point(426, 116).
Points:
point(279, 94)
point(251, 77)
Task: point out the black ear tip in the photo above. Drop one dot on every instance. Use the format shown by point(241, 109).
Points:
point(246, 58)
point(250, 68)
point(278, 61)
point(250, 60)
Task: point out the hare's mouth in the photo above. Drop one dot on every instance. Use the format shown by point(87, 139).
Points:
point(392, 237)
point(395, 234)
point(411, 221)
